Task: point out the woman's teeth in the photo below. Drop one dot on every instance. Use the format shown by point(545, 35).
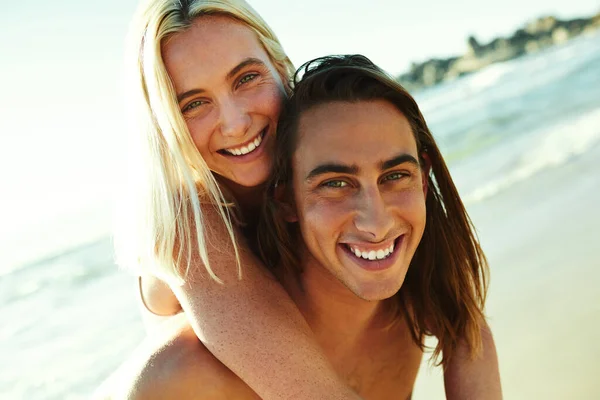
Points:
point(372, 254)
point(249, 148)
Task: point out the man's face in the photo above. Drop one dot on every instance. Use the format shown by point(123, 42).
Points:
point(359, 195)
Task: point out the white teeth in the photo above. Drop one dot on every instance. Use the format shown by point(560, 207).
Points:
point(373, 254)
point(249, 148)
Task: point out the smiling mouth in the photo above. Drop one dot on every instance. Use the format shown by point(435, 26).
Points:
point(373, 254)
point(247, 148)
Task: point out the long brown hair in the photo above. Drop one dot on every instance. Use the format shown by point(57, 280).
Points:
point(445, 287)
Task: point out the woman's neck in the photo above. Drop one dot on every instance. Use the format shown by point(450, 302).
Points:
point(249, 199)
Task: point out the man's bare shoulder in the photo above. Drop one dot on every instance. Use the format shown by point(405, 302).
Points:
point(190, 371)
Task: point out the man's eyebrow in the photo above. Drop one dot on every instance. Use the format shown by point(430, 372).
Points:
point(246, 62)
point(400, 159)
point(332, 168)
point(353, 169)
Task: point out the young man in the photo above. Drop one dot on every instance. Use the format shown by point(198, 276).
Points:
point(365, 229)
point(367, 232)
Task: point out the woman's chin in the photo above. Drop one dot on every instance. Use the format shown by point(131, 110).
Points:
point(252, 183)
point(254, 178)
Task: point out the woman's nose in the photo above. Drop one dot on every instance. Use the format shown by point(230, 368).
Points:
point(235, 120)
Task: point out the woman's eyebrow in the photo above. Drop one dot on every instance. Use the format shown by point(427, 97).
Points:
point(189, 93)
point(244, 63)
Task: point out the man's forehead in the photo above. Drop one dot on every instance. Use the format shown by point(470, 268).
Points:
point(365, 132)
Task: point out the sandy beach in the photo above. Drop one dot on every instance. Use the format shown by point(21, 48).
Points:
point(541, 238)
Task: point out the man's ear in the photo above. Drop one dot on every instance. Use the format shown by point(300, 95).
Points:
point(425, 169)
point(285, 202)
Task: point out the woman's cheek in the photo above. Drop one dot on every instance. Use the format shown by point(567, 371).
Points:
point(271, 98)
point(201, 130)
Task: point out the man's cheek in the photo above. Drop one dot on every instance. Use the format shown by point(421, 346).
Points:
point(317, 215)
point(324, 217)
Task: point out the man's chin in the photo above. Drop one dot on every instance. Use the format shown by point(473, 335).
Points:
point(376, 291)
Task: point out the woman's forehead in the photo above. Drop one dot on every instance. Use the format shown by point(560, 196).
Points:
point(209, 49)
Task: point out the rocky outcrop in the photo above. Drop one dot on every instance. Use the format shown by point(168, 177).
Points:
point(536, 35)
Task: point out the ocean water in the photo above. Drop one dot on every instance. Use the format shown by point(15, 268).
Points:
point(69, 320)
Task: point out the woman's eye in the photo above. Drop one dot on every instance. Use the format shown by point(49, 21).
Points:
point(247, 78)
point(335, 184)
point(192, 105)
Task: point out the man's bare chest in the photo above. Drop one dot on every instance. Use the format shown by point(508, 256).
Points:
point(383, 370)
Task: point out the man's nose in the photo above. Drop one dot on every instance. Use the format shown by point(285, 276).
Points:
point(234, 118)
point(373, 217)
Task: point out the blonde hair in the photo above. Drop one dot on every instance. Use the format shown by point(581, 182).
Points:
point(165, 218)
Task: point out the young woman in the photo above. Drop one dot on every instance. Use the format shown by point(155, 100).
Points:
point(210, 77)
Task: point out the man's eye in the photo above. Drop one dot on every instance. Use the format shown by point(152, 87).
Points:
point(247, 78)
point(394, 176)
point(192, 105)
point(335, 184)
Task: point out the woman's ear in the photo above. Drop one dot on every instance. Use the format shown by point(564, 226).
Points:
point(425, 169)
point(285, 202)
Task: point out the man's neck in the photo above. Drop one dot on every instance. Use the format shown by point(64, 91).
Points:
point(340, 320)
point(374, 356)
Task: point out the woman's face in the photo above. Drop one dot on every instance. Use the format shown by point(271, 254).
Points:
point(230, 95)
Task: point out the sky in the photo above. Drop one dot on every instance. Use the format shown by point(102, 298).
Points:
point(62, 121)
point(395, 32)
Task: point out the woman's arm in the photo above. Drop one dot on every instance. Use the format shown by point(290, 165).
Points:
point(479, 378)
point(253, 327)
